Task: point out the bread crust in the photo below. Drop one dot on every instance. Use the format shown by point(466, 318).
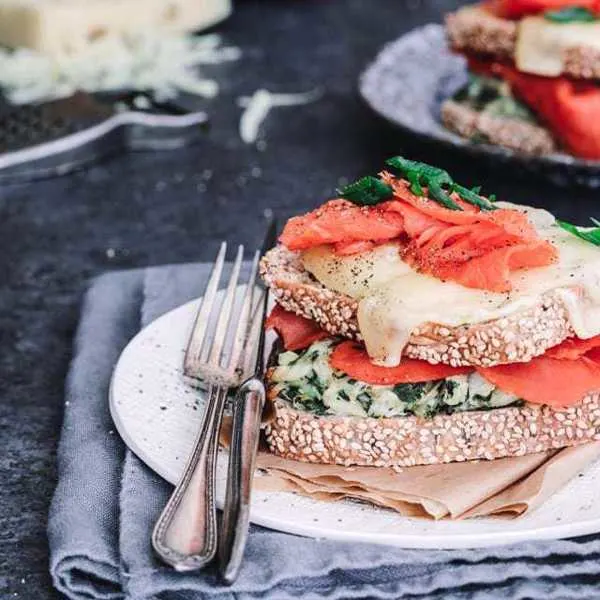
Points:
point(473, 30)
point(409, 441)
point(514, 134)
point(516, 338)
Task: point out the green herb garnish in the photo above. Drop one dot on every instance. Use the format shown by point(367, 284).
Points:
point(438, 182)
point(472, 197)
point(367, 191)
point(589, 234)
point(571, 14)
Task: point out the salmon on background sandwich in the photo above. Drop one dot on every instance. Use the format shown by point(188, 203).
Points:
point(534, 75)
point(422, 322)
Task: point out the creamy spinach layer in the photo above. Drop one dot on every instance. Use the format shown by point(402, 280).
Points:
point(307, 382)
point(492, 96)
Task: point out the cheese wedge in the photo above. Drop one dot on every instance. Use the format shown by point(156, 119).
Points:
point(541, 44)
point(68, 26)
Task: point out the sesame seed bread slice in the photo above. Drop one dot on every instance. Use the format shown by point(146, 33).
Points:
point(516, 338)
point(409, 441)
point(515, 134)
point(471, 29)
point(474, 30)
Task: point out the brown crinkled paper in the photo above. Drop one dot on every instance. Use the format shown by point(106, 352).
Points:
point(506, 487)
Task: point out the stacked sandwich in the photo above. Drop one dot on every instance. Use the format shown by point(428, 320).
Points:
point(534, 75)
point(421, 322)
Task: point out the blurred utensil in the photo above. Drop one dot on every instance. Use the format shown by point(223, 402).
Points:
point(57, 137)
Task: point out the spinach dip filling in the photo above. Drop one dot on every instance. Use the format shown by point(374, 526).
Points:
point(307, 382)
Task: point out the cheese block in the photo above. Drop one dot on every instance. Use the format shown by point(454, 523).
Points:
point(541, 44)
point(68, 26)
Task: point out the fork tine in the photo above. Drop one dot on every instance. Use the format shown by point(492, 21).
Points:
point(254, 331)
point(244, 323)
point(226, 312)
point(200, 328)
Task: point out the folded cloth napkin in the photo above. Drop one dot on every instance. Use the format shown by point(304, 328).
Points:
point(107, 501)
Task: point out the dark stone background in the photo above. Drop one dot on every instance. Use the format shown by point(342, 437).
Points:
point(175, 207)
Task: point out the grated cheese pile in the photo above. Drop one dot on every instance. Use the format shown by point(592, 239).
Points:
point(157, 62)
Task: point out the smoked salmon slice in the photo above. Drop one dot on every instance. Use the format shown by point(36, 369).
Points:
point(295, 331)
point(352, 359)
point(545, 380)
point(340, 221)
point(491, 271)
point(559, 378)
point(573, 348)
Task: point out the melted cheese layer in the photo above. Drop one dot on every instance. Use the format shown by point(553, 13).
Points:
point(394, 299)
point(541, 44)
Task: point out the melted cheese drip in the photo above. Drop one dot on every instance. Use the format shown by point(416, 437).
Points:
point(394, 299)
point(541, 44)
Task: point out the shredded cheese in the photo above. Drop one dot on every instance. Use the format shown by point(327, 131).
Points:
point(157, 62)
point(257, 107)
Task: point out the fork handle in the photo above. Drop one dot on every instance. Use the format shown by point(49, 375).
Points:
point(247, 412)
point(185, 535)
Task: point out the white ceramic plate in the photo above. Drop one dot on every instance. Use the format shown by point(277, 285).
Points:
point(158, 415)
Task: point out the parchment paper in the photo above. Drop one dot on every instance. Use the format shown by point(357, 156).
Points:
point(506, 487)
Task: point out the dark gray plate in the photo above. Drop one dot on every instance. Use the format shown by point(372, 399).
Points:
point(412, 76)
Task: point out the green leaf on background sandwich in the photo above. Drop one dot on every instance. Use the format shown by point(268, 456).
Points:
point(571, 14)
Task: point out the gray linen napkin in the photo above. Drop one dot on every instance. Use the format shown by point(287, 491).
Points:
point(107, 501)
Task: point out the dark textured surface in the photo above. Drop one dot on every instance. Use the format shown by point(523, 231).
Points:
point(157, 208)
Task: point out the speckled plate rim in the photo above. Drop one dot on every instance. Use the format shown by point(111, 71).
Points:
point(583, 169)
point(288, 512)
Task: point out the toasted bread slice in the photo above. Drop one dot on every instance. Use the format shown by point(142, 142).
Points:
point(474, 30)
point(408, 441)
point(514, 134)
point(517, 338)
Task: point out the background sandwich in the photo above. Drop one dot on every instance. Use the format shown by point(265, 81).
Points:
point(535, 73)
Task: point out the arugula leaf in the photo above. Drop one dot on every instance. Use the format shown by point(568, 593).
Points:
point(367, 191)
point(473, 197)
point(591, 235)
point(415, 186)
point(423, 175)
point(420, 174)
point(571, 14)
point(423, 170)
point(440, 196)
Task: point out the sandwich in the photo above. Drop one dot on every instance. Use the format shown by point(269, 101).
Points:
point(421, 322)
point(534, 75)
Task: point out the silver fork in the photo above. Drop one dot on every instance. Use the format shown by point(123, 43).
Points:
point(185, 535)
